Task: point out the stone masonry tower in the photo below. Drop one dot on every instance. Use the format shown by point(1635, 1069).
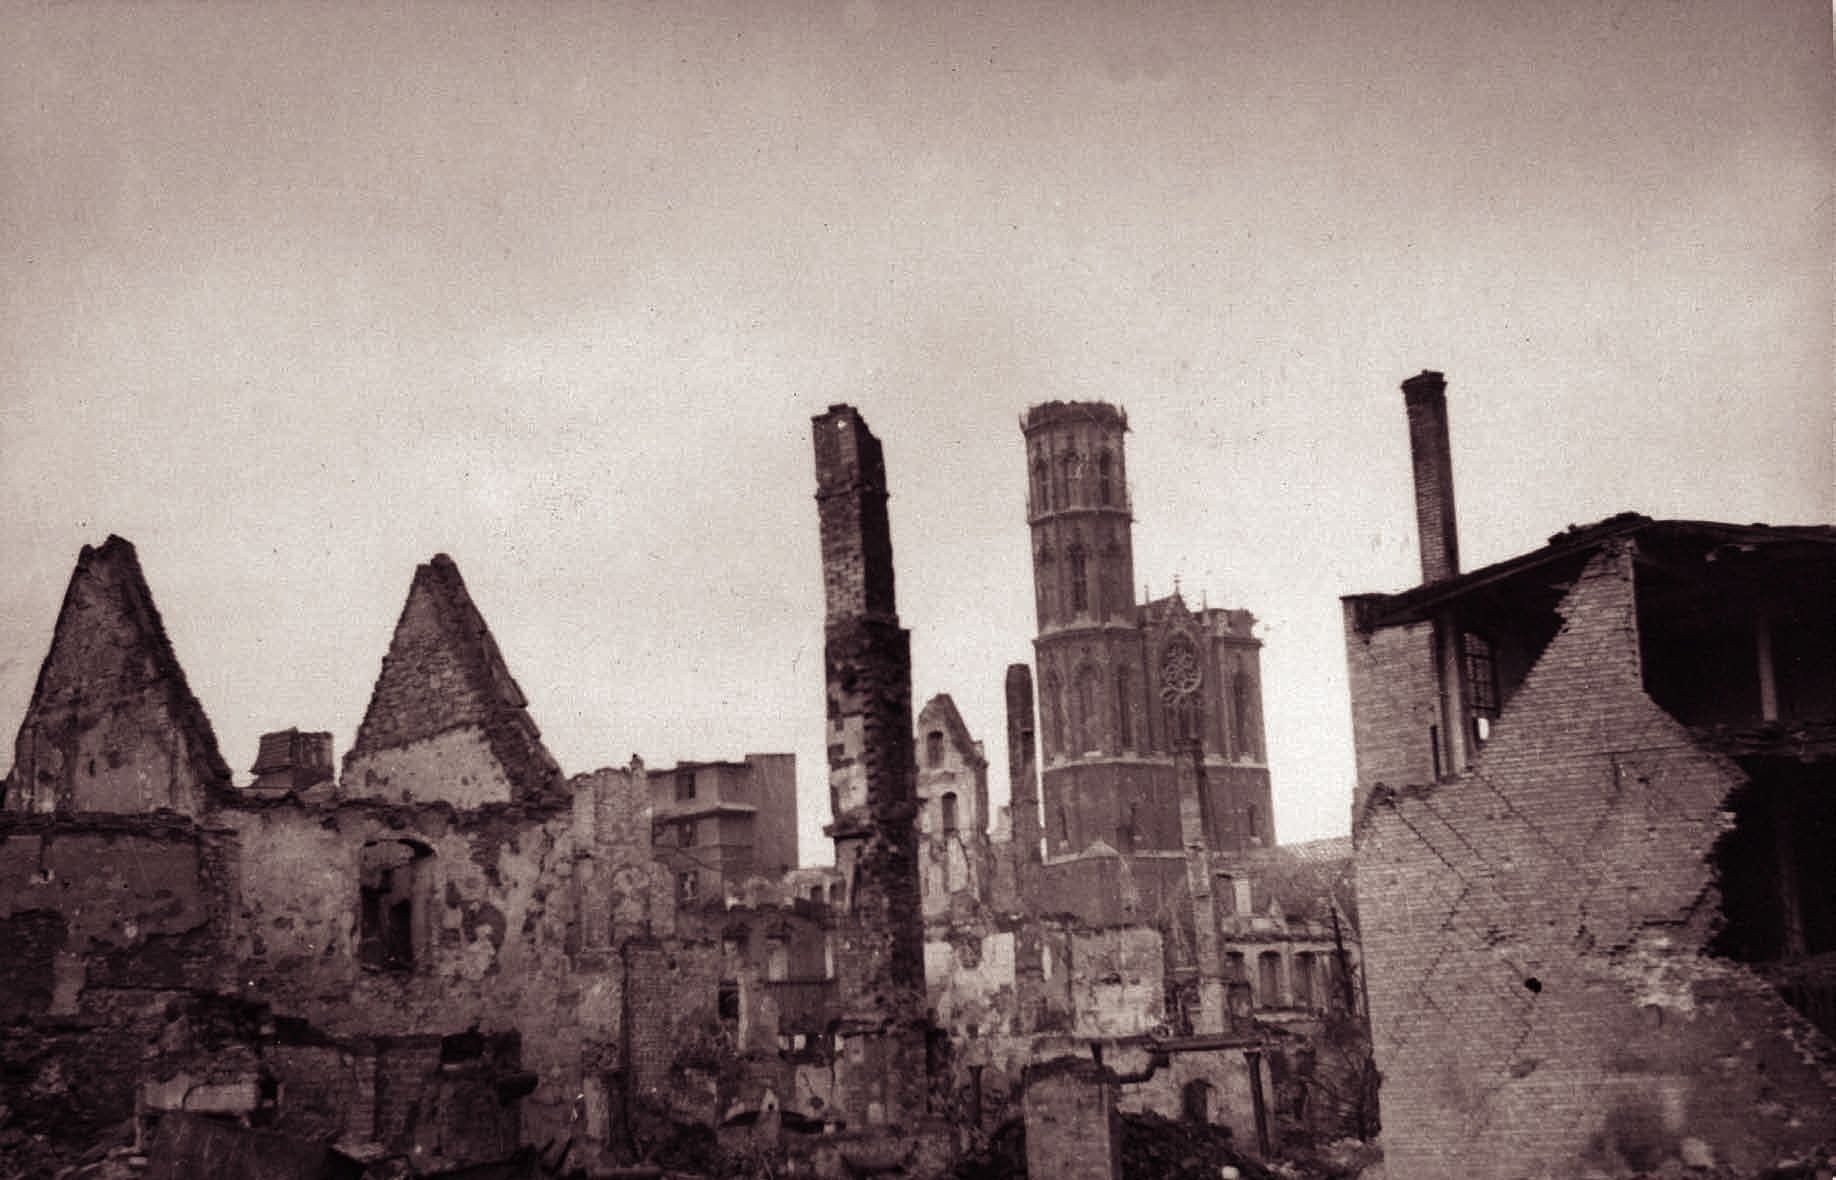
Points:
point(1125, 689)
point(879, 958)
point(1077, 506)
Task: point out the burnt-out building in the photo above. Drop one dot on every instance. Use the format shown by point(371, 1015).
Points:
point(1596, 790)
point(445, 953)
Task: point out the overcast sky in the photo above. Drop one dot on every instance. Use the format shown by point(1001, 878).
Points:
point(296, 296)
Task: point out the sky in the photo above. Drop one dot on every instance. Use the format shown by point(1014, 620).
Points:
point(296, 296)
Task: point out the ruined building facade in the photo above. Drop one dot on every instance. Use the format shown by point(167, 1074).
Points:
point(1594, 803)
point(441, 949)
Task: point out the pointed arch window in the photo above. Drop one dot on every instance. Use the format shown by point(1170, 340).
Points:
point(1089, 718)
point(1042, 501)
point(1105, 479)
point(1243, 714)
point(1125, 721)
point(1079, 561)
point(1054, 715)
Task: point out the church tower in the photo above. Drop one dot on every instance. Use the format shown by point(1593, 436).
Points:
point(1124, 688)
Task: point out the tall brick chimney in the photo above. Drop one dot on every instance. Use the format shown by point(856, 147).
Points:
point(1022, 764)
point(873, 792)
point(1425, 395)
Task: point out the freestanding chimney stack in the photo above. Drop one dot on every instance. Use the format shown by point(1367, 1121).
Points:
point(1425, 395)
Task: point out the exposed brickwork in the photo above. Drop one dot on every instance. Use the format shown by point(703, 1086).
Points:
point(1022, 763)
point(1425, 397)
point(879, 957)
point(1534, 934)
point(1391, 676)
point(112, 725)
point(446, 721)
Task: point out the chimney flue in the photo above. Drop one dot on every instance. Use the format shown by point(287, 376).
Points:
point(1425, 395)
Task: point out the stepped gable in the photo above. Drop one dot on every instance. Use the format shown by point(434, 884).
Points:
point(443, 675)
point(113, 725)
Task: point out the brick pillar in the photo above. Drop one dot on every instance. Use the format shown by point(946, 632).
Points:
point(1023, 783)
point(1023, 772)
point(879, 959)
point(1425, 396)
point(1189, 778)
point(1072, 1129)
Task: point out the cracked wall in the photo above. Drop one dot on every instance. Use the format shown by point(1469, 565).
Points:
point(1534, 933)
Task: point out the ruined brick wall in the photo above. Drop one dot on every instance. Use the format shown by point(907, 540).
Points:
point(112, 726)
point(1533, 935)
point(446, 722)
point(675, 1036)
point(879, 954)
point(1395, 701)
point(106, 924)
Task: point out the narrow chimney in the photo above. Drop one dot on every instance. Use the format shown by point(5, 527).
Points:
point(1425, 395)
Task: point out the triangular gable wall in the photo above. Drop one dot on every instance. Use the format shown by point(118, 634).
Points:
point(446, 721)
point(113, 725)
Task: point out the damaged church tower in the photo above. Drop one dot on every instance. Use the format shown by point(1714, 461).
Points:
point(879, 956)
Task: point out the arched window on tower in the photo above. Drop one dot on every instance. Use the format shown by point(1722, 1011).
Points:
point(1089, 719)
point(1061, 482)
point(1080, 579)
point(1243, 714)
point(1041, 489)
point(1054, 705)
point(1125, 704)
point(1105, 479)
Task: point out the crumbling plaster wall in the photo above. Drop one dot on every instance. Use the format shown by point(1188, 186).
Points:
point(502, 951)
point(1117, 981)
point(972, 982)
point(1533, 933)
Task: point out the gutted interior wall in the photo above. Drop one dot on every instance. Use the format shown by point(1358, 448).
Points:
point(1534, 933)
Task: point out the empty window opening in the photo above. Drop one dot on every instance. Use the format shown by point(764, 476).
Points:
point(934, 748)
point(685, 785)
point(1303, 980)
point(686, 835)
point(1195, 1101)
point(948, 809)
point(1777, 881)
point(688, 887)
point(395, 891)
point(1041, 493)
point(1105, 480)
point(1268, 979)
